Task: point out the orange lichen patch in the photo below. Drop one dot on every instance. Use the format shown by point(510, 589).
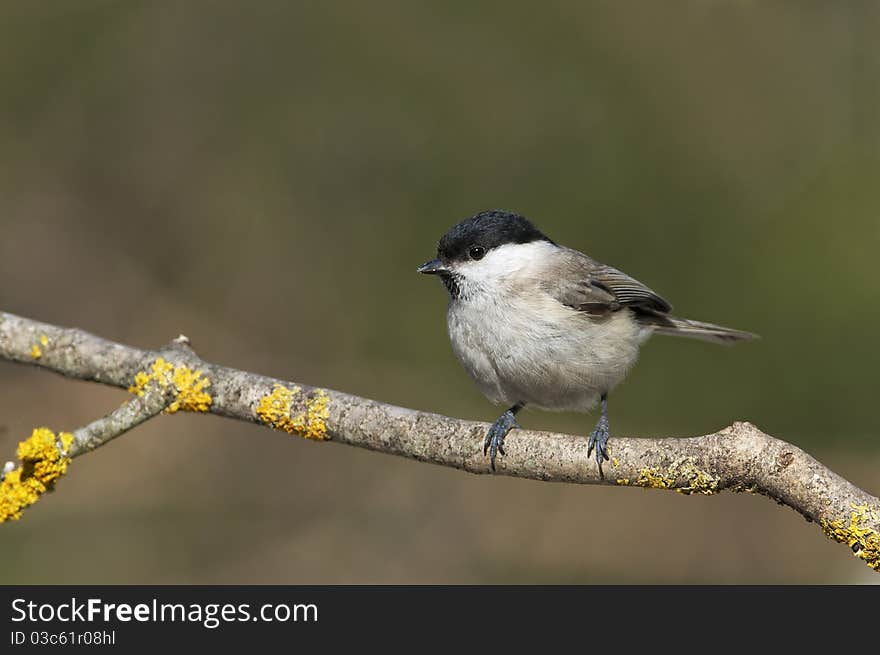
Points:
point(43, 461)
point(858, 534)
point(274, 409)
point(189, 386)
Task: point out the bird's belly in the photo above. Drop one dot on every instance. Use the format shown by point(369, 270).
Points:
point(557, 360)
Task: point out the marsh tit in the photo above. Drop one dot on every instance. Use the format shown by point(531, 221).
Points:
point(536, 323)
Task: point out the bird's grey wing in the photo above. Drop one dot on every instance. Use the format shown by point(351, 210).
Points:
point(588, 286)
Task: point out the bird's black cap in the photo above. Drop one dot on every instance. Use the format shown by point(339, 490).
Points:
point(487, 230)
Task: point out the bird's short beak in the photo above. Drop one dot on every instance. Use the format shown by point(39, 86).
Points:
point(433, 267)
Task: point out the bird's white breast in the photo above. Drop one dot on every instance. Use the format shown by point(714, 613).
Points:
point(522, 345)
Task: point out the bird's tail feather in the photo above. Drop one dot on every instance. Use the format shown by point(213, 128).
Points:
point(683, 327)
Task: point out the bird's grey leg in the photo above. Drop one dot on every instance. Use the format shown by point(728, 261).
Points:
point(599, 436)
point(495, 437)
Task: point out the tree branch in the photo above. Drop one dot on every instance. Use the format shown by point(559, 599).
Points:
point(129, 415)
point(738, 458)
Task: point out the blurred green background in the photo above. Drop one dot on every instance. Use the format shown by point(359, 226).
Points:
point(265, 177)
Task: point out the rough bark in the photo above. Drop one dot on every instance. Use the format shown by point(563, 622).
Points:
point(738, 458)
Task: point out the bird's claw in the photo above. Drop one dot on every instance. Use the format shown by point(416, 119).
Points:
point(494, 443)
point(599, 441)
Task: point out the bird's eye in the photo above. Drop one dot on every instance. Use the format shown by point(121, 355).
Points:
point(477, 252)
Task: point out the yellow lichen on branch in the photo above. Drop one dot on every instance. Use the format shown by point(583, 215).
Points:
point(43, 459)
point(698, 480)
point(36, 351)
point(857, 534)
point(274, 409)
point(189, 386)
point(695, 479)
point(317, 413)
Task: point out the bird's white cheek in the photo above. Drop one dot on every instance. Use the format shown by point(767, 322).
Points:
point(509, 260)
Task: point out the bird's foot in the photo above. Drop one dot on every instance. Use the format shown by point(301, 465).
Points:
point(495, 437)
point(599, 441)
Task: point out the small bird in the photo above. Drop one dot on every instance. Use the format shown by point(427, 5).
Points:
point(536, 323)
